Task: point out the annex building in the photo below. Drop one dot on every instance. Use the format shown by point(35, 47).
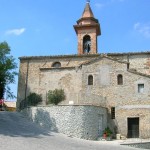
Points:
point(101, 89)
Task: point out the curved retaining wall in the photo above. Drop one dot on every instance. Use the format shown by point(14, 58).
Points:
point(139, 145)
point(85, 122)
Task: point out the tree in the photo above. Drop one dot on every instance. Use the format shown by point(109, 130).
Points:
point(7, 70)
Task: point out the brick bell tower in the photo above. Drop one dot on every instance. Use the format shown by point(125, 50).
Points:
point(87, 30)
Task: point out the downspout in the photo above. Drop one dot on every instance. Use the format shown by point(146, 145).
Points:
point(26, 85)
point(128, 60)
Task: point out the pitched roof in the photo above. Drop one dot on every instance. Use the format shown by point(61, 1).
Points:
point(84, 55)
point(100, 57)
point(138, 73)
point(129, 53)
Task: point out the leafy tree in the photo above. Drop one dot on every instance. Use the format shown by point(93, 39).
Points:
point(7, 70)
point(56, 96)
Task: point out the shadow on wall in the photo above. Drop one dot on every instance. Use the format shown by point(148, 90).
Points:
point(44, 119)
point(113, 125)
point(14, 124)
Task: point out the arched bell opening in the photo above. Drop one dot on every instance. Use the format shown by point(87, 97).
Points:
point(86, 44)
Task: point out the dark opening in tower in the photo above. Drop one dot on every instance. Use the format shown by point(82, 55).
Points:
point(86, 44)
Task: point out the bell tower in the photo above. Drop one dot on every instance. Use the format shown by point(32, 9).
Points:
point(87, 30)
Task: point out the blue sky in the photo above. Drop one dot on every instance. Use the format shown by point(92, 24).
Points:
point(45, 27)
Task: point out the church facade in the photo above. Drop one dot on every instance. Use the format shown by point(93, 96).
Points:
point(118, 82)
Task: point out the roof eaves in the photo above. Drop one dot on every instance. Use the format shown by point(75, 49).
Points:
point(138, 73)
point(80, 56)
point(128, 53)
point(56, 56)
point(103, 56)
point(115, 59)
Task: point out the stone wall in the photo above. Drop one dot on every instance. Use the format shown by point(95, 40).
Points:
point(37, 75)
point(105, 86)
point(138, 61)
point(87, 122)
point(145, 145)
point(134, 111)
point(104, 92)
point(33, 78)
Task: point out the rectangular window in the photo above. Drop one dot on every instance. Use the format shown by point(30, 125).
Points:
point(112, 112)
point(140, 88)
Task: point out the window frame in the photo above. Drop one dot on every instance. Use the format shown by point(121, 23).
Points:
point(90, 80)
point(113, 113)
point(56, 64)
point(141, 87)
point(86, 40)
point(119, 79)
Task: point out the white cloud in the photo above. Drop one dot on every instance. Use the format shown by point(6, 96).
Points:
point(15, 31)
point(143, 29)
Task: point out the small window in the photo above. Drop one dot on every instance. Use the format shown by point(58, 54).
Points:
point(56, 64)
point(128, 65)
point(140, 88)
point(112, 112)
point(120, 79)
point(90, 80)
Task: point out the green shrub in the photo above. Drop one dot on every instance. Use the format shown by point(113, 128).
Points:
point(56, 96)
point(33, 99)
point(107, 131)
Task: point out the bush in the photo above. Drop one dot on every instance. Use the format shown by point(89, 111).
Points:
point(33, 99)
point(56, 96)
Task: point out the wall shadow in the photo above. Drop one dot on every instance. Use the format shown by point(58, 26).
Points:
point(15, 124)
point(113, 125)
point(44, 119)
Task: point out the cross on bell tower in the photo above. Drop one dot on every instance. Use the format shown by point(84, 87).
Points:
point(87, 30)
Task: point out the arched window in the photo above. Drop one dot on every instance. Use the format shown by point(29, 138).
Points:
point(120, 79)
point(56, 64)
point(90, 80)
point(86, 44)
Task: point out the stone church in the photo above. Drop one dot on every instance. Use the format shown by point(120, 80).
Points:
point(115, 86)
